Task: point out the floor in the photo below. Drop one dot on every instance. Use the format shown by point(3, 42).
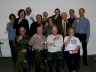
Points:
point(6, 65)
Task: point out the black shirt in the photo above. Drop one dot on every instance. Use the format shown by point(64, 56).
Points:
point(71, 20)
point(23, 23)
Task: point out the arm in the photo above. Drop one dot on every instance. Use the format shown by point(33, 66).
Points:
point(8, 28)
point(67, 41)
point(31, 41)
point(60, 42)
point(88, 30)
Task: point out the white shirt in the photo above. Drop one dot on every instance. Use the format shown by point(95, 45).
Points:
point(63, 22)
point(29, 20)
point(57, 43)
point(74, 42)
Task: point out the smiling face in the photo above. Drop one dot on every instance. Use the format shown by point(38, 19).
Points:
point(22, 31)
point(64, 15)
point(81, 12)
point(22, 14)
point(28, 11)
point(71, 32)
point(54, 30)
point(57, 12)
point(45, 14)
point(39, 30)
point(39, 18)
point(71, 12)
point(50, 21)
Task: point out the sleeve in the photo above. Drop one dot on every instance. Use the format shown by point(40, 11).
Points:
point(74, 24)
point(65, 39)
point(59, 43)
point(88, 30)
point(78, 41)
point(8, 28)
point(15, 42)
point(44, 30)
point(31, 41)
point(48, 38)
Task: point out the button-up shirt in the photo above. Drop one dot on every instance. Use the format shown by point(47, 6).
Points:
point(83, 27)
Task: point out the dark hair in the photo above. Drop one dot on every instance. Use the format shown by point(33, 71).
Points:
point(39, 15)
point(72, 10)
point(49, 18)
point(11, 16)
point(57, 9)
point(21, 10)
point(82, 9)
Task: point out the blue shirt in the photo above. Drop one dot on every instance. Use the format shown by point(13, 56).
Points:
point(83, 27)
point(11, 31)
point(47, 30)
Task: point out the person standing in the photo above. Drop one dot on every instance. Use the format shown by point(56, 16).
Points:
point(45, 17)
point(82, 27)
point(72, 16)
point(29, 16)
point(11, 35)
point(34, 25)
point(21, 22)
point(56, 18)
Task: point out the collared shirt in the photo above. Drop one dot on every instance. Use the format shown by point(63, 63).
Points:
point(47, 30)
point(11, 31)
point(57, 43)
point(83, 27)
point(64, 26)
point(29, 20)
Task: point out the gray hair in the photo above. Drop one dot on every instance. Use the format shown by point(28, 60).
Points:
point(28, 8)
point(63, 14)
point(22, 28)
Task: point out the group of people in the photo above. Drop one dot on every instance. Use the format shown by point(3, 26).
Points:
point(62, 36)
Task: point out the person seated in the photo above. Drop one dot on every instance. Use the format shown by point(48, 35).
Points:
point(21, 46)
point(72, 54)
point(47, 29)
point(36, 42)
point(55, 43)
point(44, 19)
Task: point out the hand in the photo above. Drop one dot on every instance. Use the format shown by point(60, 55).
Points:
point(35, 35)
point(19, 38)
point(56, 17)
point(51, 44)
point(77, 22)
point(32, 18)
point(57, 37)
point(70, 37)
point(46, 24)
point(66, 21)
point(74, 52)
point(24, 50)
point(20, 20)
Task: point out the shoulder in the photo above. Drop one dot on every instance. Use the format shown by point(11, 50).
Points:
point(8, 23)
point(66, 37)
point(44, 37)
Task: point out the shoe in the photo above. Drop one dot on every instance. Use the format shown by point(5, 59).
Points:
point(74, 71)
point(86, 64)
point(25, 70)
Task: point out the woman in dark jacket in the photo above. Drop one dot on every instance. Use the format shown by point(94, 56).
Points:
point(21, 22)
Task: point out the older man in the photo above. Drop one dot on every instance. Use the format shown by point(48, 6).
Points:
point(82, 27)
point(55, 43)
point(21, 46)
point(36, 42)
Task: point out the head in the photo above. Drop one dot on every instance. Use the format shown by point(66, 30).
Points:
point(64, 15)
point(39, 30)
point(57, 11)
point(50, 21)
point(45, 14)
point(39, 18)
point(28, 11)
point(21, 13)
point(71, 31)
point(71, 13)
point(12, 17)
point(22, 31)
point(54, 30)
point(81, 12)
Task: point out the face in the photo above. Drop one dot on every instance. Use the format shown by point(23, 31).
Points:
point(81, 12)
point(22, 32)
point(54, 30)
point(28, 11)
point(22, 14)
point(45, 15)
point(50, 21)
point(39, 19)
point(39, 31)
point(12, 18)
point(71, 13)
point(57, 12)
point(71, 32)
point(64, 16)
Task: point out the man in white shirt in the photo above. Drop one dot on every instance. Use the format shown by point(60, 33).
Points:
point(29, 16)
point(55, 43)
point(72, 54)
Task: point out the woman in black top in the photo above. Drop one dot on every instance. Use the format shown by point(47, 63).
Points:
point(21, 22)
point(34, 25)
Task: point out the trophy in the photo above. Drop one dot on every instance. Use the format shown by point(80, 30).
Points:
point(45, 44)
